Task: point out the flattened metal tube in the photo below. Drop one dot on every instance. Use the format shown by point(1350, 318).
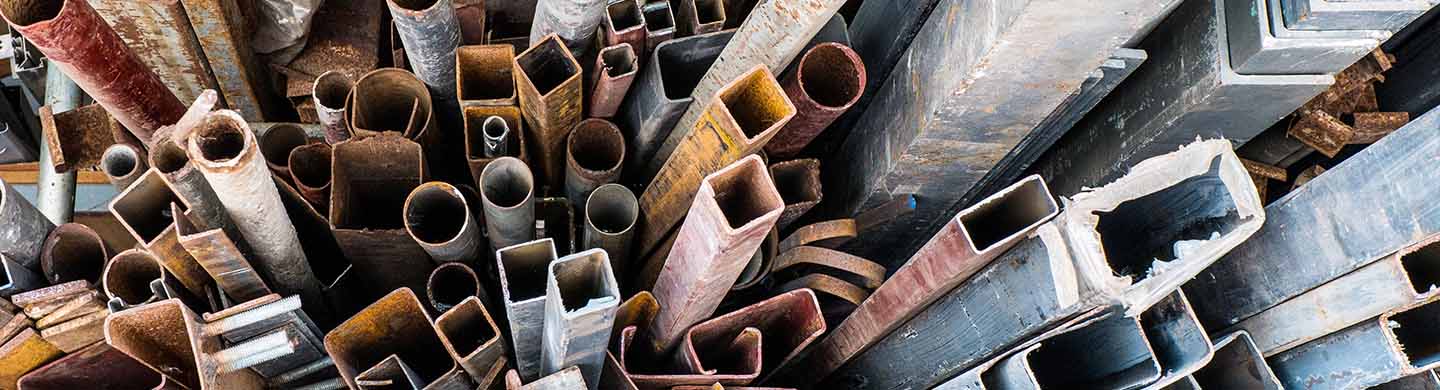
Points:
point(329, 92)
point(225, 152)
point(310, 169)
point(827, 83)
point(450, 284)
point(593, 157)
point(431, 33)
point(23, 234)
point(712, 247)
point(73, 252)
point(81, 44)
point(438, 217)
point(127, 277)
point(548, 79)
point(523, 269)
point(122, 165)
point(615, 69)
point(574, 21)
point(277, 142)
point(581, 297)
point(473, 340)
point(610, 215)
point(507, 189)
point(497, 136)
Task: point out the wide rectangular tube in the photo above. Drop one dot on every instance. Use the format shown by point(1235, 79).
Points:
point(581, 298)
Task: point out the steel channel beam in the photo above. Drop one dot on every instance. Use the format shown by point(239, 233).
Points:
point(276, 143)
point(74, 37)
point(329, 93)
point(1393, 345)
point(695, 17)
point(624, 23)
point(473, 340)
point(451, 284)
point(567, 379)
point(800, 187)
point(309, 167)
point(1237, 365)
point(1255, 49)
point(581, 298)
point(1390, 15)
point(439, 218)
point(393, 325)
point(594, 156)
point(661, 93)
point(141, 209)
point(73, 252)
point(789, 323)
point(974, 238)
point(99, 367)
point(477, 142)
point(167, 337)
point(56, 182)
point(1263, 271)
point(611, 212)
point(160, 34)
point(523, 271)
point(743, 352)
point(772, 35)
point(826, 82)
point(1423, 381)
point(371, 177)
point(23, 235)
point(507, 190)
point(719, 236)
point(122, 165)
point(615, 70)
point(548, 79)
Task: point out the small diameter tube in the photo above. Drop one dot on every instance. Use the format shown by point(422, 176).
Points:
point(438, 217)
point(497, 137)
point(123, 165)
point(310, 169)
point(277, 142)
point(329, 92)
point(610, 216)
point(450, 284)
point(507, 189)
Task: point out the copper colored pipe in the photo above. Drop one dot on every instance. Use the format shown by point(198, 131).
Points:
point(81, 44)
point(277, 142)
point(625, 23)
point(73, 252)
point(615, 69)
point(329, 93)
point(483, 75)
point(310, 169)
point(593, 157)
point(828, 81)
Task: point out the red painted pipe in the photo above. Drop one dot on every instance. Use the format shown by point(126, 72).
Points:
point(827, 82)
point(72, 34)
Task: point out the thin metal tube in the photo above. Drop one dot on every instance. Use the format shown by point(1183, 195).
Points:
point(497, 137)
point(574, 21)
point(23, 234)
point(507, 189)
point(329, 93)
point(828, 81)
point(450, 284)
point(122, 165)
point(475, 140)
point(56, 195)
point(581, 297)
point(610, 216)
point(438, 217)
point(310, 170)
point(73, 252)
point(548, 79)
point(594, 155)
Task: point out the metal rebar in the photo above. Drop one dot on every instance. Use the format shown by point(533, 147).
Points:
point(799, 184)
point(694, 17)
point(127, 277)
point(594, 156)
point(661, 92)
point(220, 257)
point(122, 165)
point(507, 190)
point(581, 297)
point(625, 23)
point(438, 217)
point(497, 137)
point(56, 196)
point(522, 269)
point(473, 340)
point(310, 169)
point(548, 79)
point(254, 351)
point(431, 33)
point(144, 210)
point(827, 82)
point(484, 75)
point(611, 212)
point(720, 139)
point(277, 142)
point(394, 325)
point(330, 92)
point(450, 284)
point(574, 21)
point(73, 252)
point(615, 70)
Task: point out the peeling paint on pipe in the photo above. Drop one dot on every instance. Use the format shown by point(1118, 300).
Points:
point(329, 93)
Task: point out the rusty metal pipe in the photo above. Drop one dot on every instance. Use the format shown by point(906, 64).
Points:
point(507, 189)
point(431, 33)
point(329, 93)
point(143, 209)
point(610, 215)
point(24, 230)
point(310, 170)
point(220, 257)
point(72, 35)
point(473, 340)
point(277, 142)
point(390, 99)
point(522, 269)
point(497, 137)
point(827, 83)
point(548, 78)
point(788, 321)
point(574, 21)
point(178, 172)
point(615, 70)
point(25, 351)
point(799, 184)
point(659, 23)
point(484, 75)
point(738, 122)
point(450, 284)
point(624, 23)
point(99, 367)
point(73, 252)
point(712, 247)
point(127, 277)
point(438, 217)
point(694, 17)
point(661, 93)
point(594, 155)
point(225, 152)
point(122, 165)
point(581, 298)
point(371, 176)
point(394, 325)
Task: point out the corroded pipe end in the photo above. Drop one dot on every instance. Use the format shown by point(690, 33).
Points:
point(276, 144)
point(437, 215)
point(24, 13)
point(129, 274)
point(484, 74)
point(799, 184)
point(122, 164)
point(310, 168)
point(743, 194)
point(73, 252)
point(827, 82)
point(450, 284)
point(507, 183)
point(497, 136)
point(390, 99)
point(158, 336)
point(546, 66)
point(594, 153)
point(223, 140)
point(753, 106)
point(168, 157)
point(330, 92)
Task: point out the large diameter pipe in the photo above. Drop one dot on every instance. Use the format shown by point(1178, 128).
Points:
point(329, 92)
point(56, 193)
point(507, 190)
point(122, 165)
point(574, 21)
point(127, 277)
point(22, 235)
point(431, 33)
point(745, 114)
point(310, 170)
point(73, 252)
point(81, 44)
point(224, 150)
point(827, 83)
point(615, 69)
point(712, 247)
point(438, 217)
point(581, 297)
point(548, 78)
point(593, 157)
point(610, 215)
point(390, 99)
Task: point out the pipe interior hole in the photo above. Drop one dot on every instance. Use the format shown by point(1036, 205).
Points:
point(830, 77)
point(624, 14)
point(331, 90)
point(28, 12)
point(658, 16)
point(1414, 330)
point(277, 143)
point(452, 283)
point(310, 165)
point(756, 104)
point(436, 214)
point(220, 139)
point(548, 66)
point(496, 128)
point(582, 281)
point(525, 269)
point(466, 328)
point(129, 277)
point(710, 11)
point(1141, 231)
point(120, 161)
point(682, 67)
point(797, 182)
point(612, 210)
point(597, 145)
point(992, 222)
point(619, 61)
point(741, 196)
point(1423, 267)
point(486, 73)
point(168, 157)
point(727, 353)
point(1111, 353)
point(77, 254)
point(415, 5)
point(507, 183)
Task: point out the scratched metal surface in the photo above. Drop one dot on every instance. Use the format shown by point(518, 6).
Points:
point(159, 31)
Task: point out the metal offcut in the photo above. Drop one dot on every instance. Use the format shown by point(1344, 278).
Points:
point(438, 217)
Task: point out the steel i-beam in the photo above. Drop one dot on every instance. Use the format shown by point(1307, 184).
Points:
point(581, 298)
point(661, 93)
point(523, 269)
point(594, 156)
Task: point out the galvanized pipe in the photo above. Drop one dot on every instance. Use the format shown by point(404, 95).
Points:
point(56, 196)
point(224, 150)
point(277, 142)
point(828, 81)
point(330, 92)
point(220, 257)
point(450, 284)
point(624, 23)
point(799, 184)
point(507, 189)
point(581, 297)
point(483, 75)
point(73, 252)
point(661, 93)
point(574, 21)
point(127, 277)
point(712, 247)
point(82, 45)
point(694, 17)
point(431, 33)
point(548, 78)
point(438, 217)
point(142, 209)
point(16, 278)
point(615, 69)
point(594, 155)
point(395, 325)
point(745, 114)
point(497, 137)
point(310, 170)
point(611, 212)
point(473, 340)
point(122, 165)
point(23, 234)
point(523, 270)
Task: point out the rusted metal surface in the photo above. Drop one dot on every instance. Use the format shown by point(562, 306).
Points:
point(309, 167)
point(122, 165)
point(734, 209)
point(203, 207)
point(611, 212)
point(160, 34)
point(819, 232)
point(483, 75)
point(567, 379)
point(222, 30)
point(828, 285)
point(639, 310)
point(471, 16)
point(73, 252)
point(142, 209)
point(371, 178)
point(23, 353)
point(581, 299)
point(451, 284)
point(16, 278)
point(1307, 175)
point(1322, 131)
point(23, 234)
point(625, 23)
point(871, 274)
point(974, 237)
point(394, 325)
point(390, 99)
point(594, 155)
point(827, 82)
point(329, 93)
point(695, 17)
point(167, 337)
point(349, 41)
point(77, 333)
point(81, 44)
point(224, 150)
point(743, 354)
point(390, 373)
point(277, 142)
point(220, 257)
point(548, 79)
point(78, 137)
point(573, 21)
point(523, 269)
point(507, 189)
point(659, 23)
point(99, 367)
point(477, 141)
point(799, 184)
point(430, 33)
point(439, 218)
point(470, 335)
point(127, 277)
point(615, 69)
point(744, 115)
point(662, 91)
point(1371, 126)
point(788, 321)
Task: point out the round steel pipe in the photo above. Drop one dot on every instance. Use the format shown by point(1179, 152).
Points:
point(79, 42)
point(122, 165)
point(127, 277)
point(507, 191)
point(73, 252)
point(450, 284)
point(56, 196)
point(497, 137)
point(431, 33)
point(610, 216)
point(575, 21)
point(438, 217)
point(329, 93)
point(310, 170)
point(389, 99)
point(593, 156)
point(828, 81)
point(277, 142)
point(22, 228)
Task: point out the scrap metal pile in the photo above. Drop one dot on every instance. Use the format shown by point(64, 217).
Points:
point(627, 194)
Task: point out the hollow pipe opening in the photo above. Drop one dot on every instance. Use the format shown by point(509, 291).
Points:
point(597, 145)
point(120, 160)
point(331, 89)
point(129, 274)
point(612, 209)
point(1414, 332)
point(144, 207)
point(485, 72)
point(386, 100)
point(507, 182)
point(584, 278)
point(524, 268)
point(1112, 352)
point(548, 65)
point(832, 75)
point(709, 11)
point(619, 61)
point(741, 192)
point(1141, 231)
point(168, 157)
point(310, 165)
point(658, 16)
point(1013, 212)
point(277, 143)
point(450, 284)
point(27, 12)
point(73, 252)
point(467, 327)
point(220, 138)
point(436, 213)
point(1422, 266)
point(625, 15)
point(798, 180)
point(756, 102)
point(415, 5)
point(497, 134)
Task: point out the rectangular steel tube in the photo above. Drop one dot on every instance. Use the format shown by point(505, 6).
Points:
point(219, 256)
point(1179, 342)
point(141, 209)
point(581, 298)
point(167, 337)
point(23, 353)
point(1390, 15)
point(661, 93)
point(370, 179)
point(523, 269)
point(1396, 344)
point(1255, 49)
point(548, 79)
point(625, 23)
point(483, 75)
point(695, 17)
point(659, 23)
point(1237, 365)
point(1423, 381)
point(615, 69)
point(473, 340)
point(394, 325)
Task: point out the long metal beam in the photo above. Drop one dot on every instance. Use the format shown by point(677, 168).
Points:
point(523, 269)
point(1393, 345)
point(1255, 48)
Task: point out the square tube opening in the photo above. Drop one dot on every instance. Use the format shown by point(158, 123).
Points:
point(658, 16)
point(585, 279)
point(744, 193)
point(485, 72)
point(524, 268)
point(1141, 231)
point(1110, 353)
point(1422, 265)
point(1015, 211)
point(624, 15)
point(548, 65)
point(756, 102)
point(1414, 331)
point(145, 207)
point(467, 327)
